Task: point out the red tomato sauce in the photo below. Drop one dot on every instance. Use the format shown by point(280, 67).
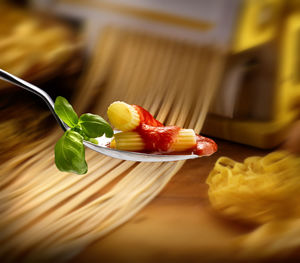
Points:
point(204, 146)
point(159, 138)
point(146, 117)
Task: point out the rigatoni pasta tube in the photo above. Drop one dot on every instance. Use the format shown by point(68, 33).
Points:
point(126, 117)
point(122, 116)
point(128, 141)
point(186, 139)
point(133, 141)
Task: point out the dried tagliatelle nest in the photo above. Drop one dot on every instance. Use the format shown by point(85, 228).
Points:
point(259, 190)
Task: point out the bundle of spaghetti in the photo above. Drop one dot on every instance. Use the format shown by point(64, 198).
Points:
point(264, 191)
point(49, 214)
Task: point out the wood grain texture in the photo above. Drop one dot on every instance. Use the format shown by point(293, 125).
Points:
point(179, 225)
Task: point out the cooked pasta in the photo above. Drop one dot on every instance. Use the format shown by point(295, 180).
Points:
point(132, 141)
point(128, 141)
point(185, 140)
point(127, 117)
point(147, 134)
point(123, 116)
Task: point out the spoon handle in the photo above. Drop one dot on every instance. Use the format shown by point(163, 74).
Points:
point(37, 91)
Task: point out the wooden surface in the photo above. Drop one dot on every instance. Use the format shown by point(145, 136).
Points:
point(179, 225)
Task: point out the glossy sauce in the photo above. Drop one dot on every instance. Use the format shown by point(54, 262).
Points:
point(204, 146)
point(159, 138)
point(146, 117)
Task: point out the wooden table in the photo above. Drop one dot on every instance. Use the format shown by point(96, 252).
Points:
point(178, 225)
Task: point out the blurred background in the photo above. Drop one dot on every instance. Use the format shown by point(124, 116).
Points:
point(158, 54)
point(77, 48)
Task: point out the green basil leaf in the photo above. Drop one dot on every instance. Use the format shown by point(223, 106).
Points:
point(65, 111)
point(92, 140)
point(70, 153)
point(95, 126)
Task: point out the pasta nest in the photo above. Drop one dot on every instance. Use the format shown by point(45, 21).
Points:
point(259, 190)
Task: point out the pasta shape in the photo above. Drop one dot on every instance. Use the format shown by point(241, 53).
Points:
point(264, 191)
point(132, 141)
point(186, 139)
point(123, 116)
point(259, 190)
point(128, 141)
point(142, 132)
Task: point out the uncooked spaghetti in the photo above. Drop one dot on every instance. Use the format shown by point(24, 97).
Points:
point(49, 214)
point(264, 191)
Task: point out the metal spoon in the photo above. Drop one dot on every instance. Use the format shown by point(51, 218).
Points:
point(101, 148)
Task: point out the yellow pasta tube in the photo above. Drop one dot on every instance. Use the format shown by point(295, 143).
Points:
point(128, 141)
point(186, 139)
point(132, 141)
point(123, 116)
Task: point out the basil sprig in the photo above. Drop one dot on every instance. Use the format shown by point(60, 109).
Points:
point(69, 150)
point(70, 153)
point(65, 111)
point(94, 126)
